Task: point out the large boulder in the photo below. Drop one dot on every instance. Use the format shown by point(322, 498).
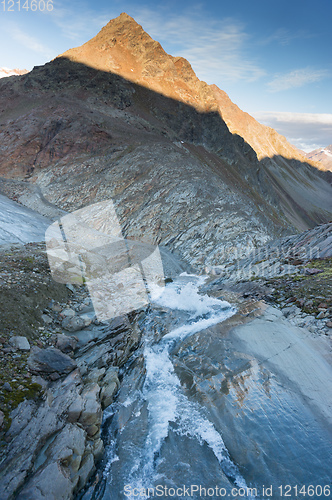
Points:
point(50, 362)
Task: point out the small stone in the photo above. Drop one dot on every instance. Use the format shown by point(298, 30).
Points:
point(2, 417)
point(7, 387)
point(65, 343)
point(20, 343)
point(73, 324)
point(309, 271)
point(322, 305)
point(47, 319)
point(329, 324)
point(56, 308)
point(7, 350)
point(68, 313)
point(321, 315)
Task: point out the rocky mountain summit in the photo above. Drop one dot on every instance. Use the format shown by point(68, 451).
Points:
point(323, 156)
point(120, 119)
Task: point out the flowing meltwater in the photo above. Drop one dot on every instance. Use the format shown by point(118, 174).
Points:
point(197, 416)
point(162, 391)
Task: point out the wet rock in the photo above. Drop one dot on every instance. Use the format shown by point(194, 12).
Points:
point(98, 449)
point(20, 343)
point(110, 387)
point(65, 343)
point(86, 470)
point(73, 324)
point(50, 360)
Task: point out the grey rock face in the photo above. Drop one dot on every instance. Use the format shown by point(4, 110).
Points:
point(111, 385)
point(50, 483)
point(49, 361)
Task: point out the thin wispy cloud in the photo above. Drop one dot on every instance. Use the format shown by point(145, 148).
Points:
point(27, 40)
point(283, 36)
point(78, 23)
point(296, 78)
point(307, 131)
point(286, 116)
point(216, 50)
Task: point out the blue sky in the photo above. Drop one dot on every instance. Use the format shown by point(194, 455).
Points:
point(273, 58)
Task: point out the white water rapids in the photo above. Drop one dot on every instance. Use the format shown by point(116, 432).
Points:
point(200, 403)
point(162, 392)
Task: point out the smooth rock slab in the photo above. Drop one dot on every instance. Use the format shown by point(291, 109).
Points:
point(49, 361)
point(51, 483)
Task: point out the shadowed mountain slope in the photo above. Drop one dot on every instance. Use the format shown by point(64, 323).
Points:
point(176, 173)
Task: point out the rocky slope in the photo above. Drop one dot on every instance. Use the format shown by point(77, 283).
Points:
point(59, 370)
point(120, 119)
point(322, 156)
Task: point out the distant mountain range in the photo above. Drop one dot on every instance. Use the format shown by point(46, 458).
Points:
point(4, 72)
point(322, 156)
point(119, 118)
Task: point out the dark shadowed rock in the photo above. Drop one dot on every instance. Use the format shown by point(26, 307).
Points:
point(50, 360)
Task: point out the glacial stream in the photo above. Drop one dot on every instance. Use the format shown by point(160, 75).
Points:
point(200, 415)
